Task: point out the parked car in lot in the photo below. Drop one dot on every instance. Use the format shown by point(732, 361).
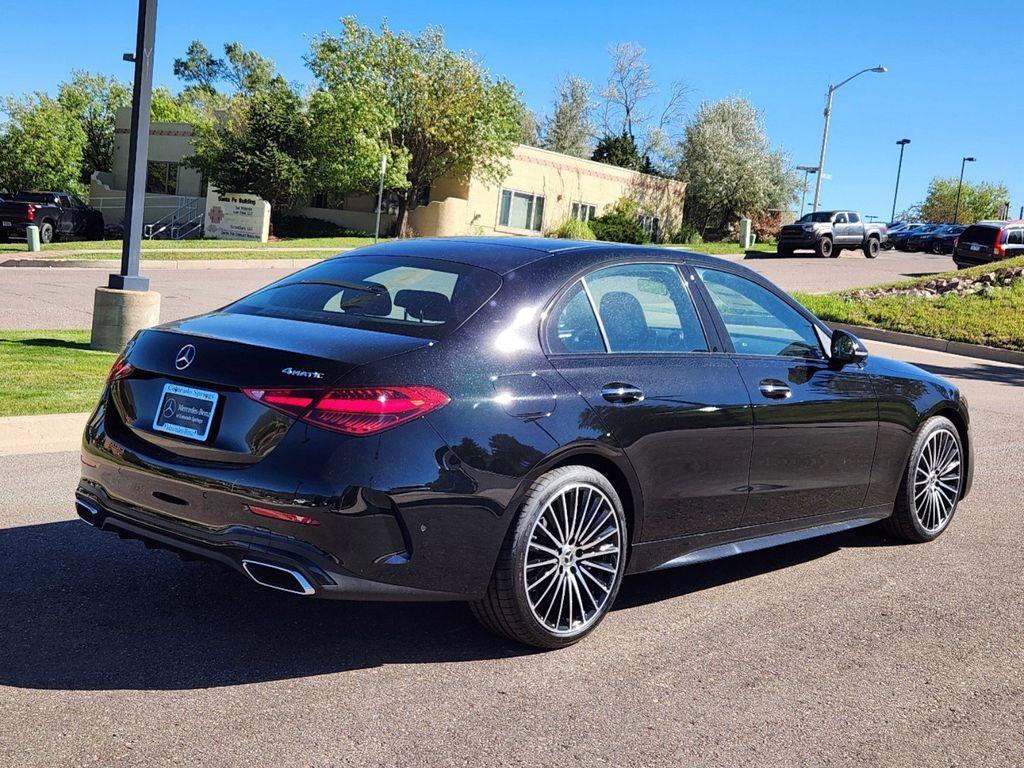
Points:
point(982, 243)
point(513, 422)
point(922, 238)
point(894, 229)
point(827, 233)
point(57, 214)
point(943, 240)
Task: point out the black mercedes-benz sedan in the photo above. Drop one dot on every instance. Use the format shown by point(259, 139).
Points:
point(516, 423)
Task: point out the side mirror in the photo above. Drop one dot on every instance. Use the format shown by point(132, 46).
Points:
point(847, 348)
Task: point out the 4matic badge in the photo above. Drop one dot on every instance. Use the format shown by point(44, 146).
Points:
point(302, 374)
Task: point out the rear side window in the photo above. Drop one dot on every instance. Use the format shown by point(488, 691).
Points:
point(1015, 237)
point(853, 218)
point(393, 294)
point(632, 308)
point(758, 321)
point(978, 234)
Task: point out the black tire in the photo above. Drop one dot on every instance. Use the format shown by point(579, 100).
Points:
point(4, 237)
point(906, 521)
point(506, 607)
point(784, 252)
point(825, 248)
point(46, 233)
point(937, 248)
point(872, 247)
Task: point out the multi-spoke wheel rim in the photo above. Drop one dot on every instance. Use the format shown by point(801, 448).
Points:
point(937, 480)
point(573, 559)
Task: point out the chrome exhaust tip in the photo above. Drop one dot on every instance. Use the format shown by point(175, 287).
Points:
point(87, 512)
point(278, 577)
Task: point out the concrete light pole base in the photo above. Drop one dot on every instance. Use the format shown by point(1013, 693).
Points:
point(117, 315)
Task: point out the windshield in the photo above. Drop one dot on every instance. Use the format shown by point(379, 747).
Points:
point(393, 294)
point(821, 217)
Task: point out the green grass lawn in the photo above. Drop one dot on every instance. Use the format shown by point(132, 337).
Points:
point(50, 372)
point(995, 320)
point(207, 249)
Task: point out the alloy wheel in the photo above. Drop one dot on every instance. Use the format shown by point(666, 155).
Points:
point(573, 559)
point(937, 479)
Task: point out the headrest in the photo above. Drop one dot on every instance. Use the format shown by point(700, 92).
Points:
point(355, 302)
point(424, 305)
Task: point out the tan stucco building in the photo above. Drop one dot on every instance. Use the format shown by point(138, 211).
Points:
point(541, 191)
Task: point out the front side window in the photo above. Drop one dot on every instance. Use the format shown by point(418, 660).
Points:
point(758, 321)
point(840, 218)
point(645, 308)
point(521, 210)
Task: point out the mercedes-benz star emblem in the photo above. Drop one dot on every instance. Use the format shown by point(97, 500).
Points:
point(185, 357)
point(170, 407)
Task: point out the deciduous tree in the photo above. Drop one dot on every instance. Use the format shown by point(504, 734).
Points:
point(41, 145)
point(978, 200)
point(440, 113)
point(730, 168)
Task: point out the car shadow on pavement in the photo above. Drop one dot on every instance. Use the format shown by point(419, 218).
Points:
point(84, 611)
point(980, 371)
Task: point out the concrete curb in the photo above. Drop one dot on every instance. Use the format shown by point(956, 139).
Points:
point(163, 265)
point(936, 345)
point(48, 433)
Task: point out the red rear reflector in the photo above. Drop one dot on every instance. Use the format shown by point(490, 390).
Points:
point(30, 213)
point(354, 411)
point(121, 369)
point(277, 514)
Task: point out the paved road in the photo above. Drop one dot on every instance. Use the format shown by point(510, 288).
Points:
point(62, 297)
point(849, 650)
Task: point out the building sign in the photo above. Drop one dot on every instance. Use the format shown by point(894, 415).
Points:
point(236, 216)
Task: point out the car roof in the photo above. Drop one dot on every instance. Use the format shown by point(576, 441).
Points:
point(505, 254)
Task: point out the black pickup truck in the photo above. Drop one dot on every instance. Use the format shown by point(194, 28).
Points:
point(827, 233)
point(59, 215)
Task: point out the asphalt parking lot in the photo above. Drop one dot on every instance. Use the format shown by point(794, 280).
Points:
point(62, 297)
point(847, 650)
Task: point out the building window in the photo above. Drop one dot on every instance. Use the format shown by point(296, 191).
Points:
point(584, 211)
point(520, 210)
point(161, 177)
point(651, 225)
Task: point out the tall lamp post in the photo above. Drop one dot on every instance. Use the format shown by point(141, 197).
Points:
point(126, 304)
point(824, 137)
point(956, 211)
point(803, 195)
point(899, 168)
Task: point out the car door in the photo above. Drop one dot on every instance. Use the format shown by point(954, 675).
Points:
point(854, 229)
point(630, 339)
point(814, 426)
point(840, 229)
point(1014, 242)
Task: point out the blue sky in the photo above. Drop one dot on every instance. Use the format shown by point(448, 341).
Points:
point(953, 85)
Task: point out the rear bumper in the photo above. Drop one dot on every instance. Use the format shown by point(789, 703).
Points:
point(238, 548)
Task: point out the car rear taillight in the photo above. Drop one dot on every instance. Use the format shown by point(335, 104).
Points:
point(356, 410)
point(30, 213)
point(999, 249)
point(121, 369)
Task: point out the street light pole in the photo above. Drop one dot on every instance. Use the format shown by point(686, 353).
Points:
point(824, 137)
point(899, 168)
point(126, 305)
point(956, 211)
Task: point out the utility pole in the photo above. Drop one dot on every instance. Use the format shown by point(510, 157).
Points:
point(956, 211)
point(828, 116)
point(126, 305)
point(903, 144)
point(380, 195)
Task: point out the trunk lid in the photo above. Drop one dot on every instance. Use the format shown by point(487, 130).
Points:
point(215, 357)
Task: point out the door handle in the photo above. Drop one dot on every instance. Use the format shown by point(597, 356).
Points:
point(622, 393)
point(775, 389)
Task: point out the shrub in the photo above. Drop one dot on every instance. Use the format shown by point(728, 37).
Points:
point(620, 224)
point(574, 229)
point(687, 234)
point(305, 226)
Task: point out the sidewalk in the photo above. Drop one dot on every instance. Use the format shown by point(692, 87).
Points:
point(49, 433)
point(154, 265)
